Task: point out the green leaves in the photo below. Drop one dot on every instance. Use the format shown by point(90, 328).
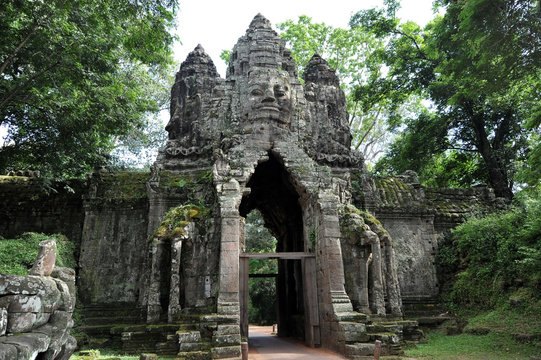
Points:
point(357, 55)
point(476, 66)
point(497, 249)
point(78, 78)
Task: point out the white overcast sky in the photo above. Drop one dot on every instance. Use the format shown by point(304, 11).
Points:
point(217, 24)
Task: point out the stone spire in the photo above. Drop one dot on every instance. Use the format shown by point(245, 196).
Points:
point(260, 22)
point(319, 71)
point(198, 62)
point(260, 47)
point(195, 80)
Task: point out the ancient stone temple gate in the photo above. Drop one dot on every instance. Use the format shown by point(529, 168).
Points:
point(283, 148)
point(162, 265)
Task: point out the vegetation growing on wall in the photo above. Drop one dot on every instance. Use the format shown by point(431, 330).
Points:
point(18, 255)
point(175, 221)
point(496, 254)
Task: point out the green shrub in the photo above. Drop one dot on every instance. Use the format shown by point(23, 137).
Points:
point(18, 255)
point(495, 252)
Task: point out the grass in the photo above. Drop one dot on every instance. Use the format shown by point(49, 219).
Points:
point(493, 346)
point(106, 355)
point(488, 335)
point(18, 255)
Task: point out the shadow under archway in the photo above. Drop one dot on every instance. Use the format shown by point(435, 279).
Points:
point(274, 195)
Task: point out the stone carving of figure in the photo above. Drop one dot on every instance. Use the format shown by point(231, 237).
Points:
point(267, 97)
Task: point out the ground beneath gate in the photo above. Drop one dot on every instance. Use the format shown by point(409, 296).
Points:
point(265, 346)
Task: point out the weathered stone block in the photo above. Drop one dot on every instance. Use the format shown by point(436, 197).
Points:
point(3, 321)
point(44, 264)
point(226, 352)
point(148, 357)
point(7, 351)
point(353, 332)
point(224, 340)
point(21, 322)
point(227, 330)
point(23, 303)
point(360, 349)
point(189, 337)
point(28, 345)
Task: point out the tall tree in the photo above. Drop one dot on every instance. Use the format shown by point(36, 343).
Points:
point(78, 76)
point(375, 104)
point(480, 64)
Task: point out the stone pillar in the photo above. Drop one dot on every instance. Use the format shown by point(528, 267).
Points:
point(154, 308)
point(364, 304)
point(378, 305)
point(228, 297)
point(44, 264)
point(393, 287)
point(174, 290)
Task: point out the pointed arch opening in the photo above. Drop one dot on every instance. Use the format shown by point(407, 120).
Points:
point(274, 195)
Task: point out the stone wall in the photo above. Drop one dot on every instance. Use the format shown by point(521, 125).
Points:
point(26, 205)
point(417, 218)
point(36, 310)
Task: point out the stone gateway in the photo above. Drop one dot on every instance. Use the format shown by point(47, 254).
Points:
point(162, 266)
point(283, 148)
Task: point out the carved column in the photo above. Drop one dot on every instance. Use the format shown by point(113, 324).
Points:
point(364, 304)
point(378, 298)
point(228, 298)
point(154, 308)
point(174, 290)
point(393, 287)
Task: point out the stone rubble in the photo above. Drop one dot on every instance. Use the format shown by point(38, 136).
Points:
point(36, 310)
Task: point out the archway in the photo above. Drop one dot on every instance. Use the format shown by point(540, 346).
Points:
point(276, 198)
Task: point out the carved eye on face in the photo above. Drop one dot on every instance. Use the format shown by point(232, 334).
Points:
point(280, 90)
point(257, 92)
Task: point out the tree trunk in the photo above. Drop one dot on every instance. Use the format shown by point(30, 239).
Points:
point(497, 174)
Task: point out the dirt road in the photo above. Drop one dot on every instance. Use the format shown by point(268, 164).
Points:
point(264, 346)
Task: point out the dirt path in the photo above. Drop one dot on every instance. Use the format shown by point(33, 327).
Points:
point(264, 346)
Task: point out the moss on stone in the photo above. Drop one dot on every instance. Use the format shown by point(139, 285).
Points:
point(123, 185)
point(169, 179)
point(177, 219)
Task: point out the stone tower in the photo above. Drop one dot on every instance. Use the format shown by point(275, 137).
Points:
point(282, 147)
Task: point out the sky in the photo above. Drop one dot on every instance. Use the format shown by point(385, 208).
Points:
point(217, 24)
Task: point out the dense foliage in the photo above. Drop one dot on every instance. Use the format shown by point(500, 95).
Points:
point(78, 78)
point(480, 65)
point(262, 307)
point(496, 254)
point(17, 256)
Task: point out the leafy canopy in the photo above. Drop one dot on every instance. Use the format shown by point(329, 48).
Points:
point(479, 64)
point(78, 77)
point(376, 103)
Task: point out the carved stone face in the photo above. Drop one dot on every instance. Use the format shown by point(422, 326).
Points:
point(267, 97)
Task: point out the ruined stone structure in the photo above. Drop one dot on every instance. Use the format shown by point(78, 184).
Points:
point(162, 266)
point(35, 310)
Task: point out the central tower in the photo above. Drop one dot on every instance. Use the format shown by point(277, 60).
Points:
point(282, 147)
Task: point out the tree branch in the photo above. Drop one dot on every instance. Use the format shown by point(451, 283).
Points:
point(24, 85)
point(369, 129)
point(19, 47)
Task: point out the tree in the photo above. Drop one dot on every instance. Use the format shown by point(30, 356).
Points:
point(356, 56)
point(480, 65)
point(262, 290)
point(78, 77)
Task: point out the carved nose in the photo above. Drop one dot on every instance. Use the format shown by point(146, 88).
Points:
point(269, 97)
